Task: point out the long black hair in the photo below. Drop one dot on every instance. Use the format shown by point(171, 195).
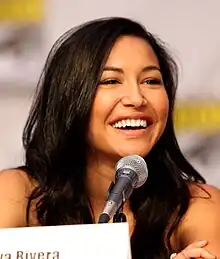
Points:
point(55, 139)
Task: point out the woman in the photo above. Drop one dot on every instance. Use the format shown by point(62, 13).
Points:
point(107, 91)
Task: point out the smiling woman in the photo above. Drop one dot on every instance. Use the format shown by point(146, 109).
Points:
point(108, 91)
point(128, 93)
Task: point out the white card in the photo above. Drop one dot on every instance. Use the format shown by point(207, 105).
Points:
point(98, 241)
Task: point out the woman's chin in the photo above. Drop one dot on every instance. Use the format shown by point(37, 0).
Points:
point(133, 151)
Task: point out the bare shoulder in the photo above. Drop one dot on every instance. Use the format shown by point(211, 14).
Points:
point(15, 176)
point(200, 192)
point(202, 219)
point(15, 188)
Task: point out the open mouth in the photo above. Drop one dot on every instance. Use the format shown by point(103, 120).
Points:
point(131, 124)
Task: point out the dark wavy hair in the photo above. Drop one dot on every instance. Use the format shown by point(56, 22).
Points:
point(55, 139)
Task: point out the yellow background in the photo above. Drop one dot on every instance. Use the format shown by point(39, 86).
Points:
point(197, 115)
point(21, 10)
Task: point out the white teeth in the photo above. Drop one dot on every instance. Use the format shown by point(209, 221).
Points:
point(130, 123)
point(138, 122)
point(133, 123)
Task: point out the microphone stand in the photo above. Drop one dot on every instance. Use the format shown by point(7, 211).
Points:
point(119, 215)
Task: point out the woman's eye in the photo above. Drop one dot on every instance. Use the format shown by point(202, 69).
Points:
point(153, 81)
point(109, 82)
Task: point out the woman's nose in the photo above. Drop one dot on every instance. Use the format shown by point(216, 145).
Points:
point(133, 97)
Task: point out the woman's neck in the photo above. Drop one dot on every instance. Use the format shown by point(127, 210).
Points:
point(100, 174)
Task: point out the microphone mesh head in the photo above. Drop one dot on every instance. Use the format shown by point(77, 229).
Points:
point(137, 164)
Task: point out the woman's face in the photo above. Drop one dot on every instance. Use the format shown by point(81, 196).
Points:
point(130, 109)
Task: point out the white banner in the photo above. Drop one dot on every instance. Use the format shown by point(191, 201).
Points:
point(99, 241)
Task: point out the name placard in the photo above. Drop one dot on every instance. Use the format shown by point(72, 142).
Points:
point(99, 241)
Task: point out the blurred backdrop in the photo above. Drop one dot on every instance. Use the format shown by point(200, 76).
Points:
point(28, 28)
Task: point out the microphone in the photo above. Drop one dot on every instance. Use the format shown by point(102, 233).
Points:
point(131, 173)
